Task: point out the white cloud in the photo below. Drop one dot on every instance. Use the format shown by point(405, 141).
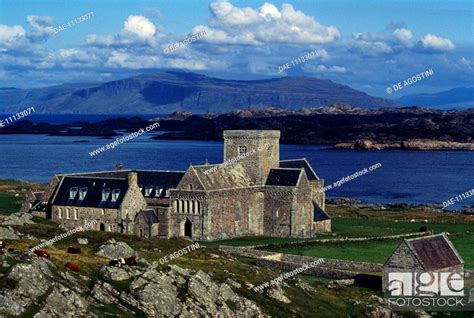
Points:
point(266, 25)
point(9, 34)
point(41, 26)
point(140, 26)
point(431, 42)
point(137, 30)
point(368, 44)
point(404, 36)
point(324, 69)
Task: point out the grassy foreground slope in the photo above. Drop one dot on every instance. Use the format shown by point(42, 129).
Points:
point(323, 300)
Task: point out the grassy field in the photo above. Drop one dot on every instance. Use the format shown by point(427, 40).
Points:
point(460, 229)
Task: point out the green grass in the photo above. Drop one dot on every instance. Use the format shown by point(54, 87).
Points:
point(249, 241)
point(461, 235)
point(9, 203)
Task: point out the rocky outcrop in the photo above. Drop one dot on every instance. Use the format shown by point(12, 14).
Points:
point(411, 144)
point(113, 250)
point(176, 292)
point(18, 218)
point(8, 234)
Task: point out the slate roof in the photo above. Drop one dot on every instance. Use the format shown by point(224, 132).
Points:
point(224, 177)
point(155, 178)
point(283, 177)
point(319, 214)
point(298, 164)
point(434, 252)
point(93, 197)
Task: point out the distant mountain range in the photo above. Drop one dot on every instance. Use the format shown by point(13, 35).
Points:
point(167, 92)
point(456, 98)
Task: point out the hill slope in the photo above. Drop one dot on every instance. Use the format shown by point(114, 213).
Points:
point(172, 91)
point(460, 97)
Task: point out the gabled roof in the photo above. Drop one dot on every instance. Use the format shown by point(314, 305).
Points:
point(93, 197)
point(434, 252)
point(283, 177)
point(147, 216)
point(300, 163)
point(319, 214)
point(224, 177)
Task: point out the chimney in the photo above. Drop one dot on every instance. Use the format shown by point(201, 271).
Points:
point(133, 179)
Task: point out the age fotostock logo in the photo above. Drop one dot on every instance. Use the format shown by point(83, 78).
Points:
point(429, 290)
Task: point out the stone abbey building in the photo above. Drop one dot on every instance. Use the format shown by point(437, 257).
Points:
point(252, 193)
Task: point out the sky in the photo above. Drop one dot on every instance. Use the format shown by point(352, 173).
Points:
point(369, 45)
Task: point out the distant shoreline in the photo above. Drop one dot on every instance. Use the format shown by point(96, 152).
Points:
point(341, 127)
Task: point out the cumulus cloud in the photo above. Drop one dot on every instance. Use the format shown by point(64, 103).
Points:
point(41, 27)
point(368, 44)
point(404, 36)
point(9, 34)
point(266, 25)
point(431, 42)
point(136, 30)
point(139, 26)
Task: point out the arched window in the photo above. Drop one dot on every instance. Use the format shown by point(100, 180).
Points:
point(237, 212)
point(196, 207)
point(191, 206)
point(75, 214)
point(110, 228)
point(180, 206)
point(60, 213)
point(68, 212)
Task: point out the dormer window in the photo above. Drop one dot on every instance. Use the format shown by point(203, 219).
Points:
point(158, 191)
point(148, 190)
point(140, 187)
point(115, 195)
point(72, 193)
point(242, 150)
point(105, 194)
point(168, 192)
point(82, 193)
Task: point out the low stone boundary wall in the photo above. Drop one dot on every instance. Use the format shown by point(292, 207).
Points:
point(299, 260)
point(315, 271)
point(346, 239)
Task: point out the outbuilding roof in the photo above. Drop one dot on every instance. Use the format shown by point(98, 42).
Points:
point(435, 252)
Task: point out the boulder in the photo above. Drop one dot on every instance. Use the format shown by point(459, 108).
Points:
point(8, 234)
point(278, 293)
point(114, 250)
point(83, 241)
point(19, 218)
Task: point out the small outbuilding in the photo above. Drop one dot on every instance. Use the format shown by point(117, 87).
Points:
point(433, 253)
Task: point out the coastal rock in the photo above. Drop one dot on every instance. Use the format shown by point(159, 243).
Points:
point(113, 250)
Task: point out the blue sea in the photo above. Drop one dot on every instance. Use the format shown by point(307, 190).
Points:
point(405, 176)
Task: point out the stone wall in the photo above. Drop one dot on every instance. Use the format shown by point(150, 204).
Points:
point(299, 260)
point(322, 226)
point(264, 142)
